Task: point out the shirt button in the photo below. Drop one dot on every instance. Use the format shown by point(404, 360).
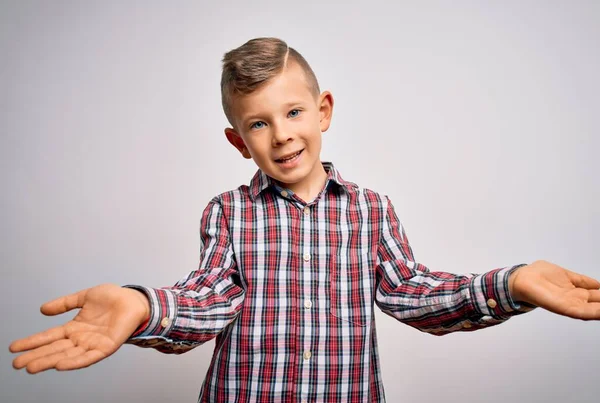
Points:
point(284, 193)
point(307, 355)
point(491, 303)
point(308, 304)
point(306, 257)
point(467, 325)
point(304, 401)
point(306, 211)
point(165, 322)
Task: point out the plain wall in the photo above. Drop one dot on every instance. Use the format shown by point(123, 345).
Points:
point(479, 119)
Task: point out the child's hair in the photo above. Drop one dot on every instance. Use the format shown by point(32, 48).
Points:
point(253, 64)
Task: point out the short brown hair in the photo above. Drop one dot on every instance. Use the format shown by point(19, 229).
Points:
point(254, 63)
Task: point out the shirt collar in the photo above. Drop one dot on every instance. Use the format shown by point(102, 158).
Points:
point(262, 181)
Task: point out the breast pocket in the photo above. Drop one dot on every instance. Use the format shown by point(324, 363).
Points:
point(351, 288)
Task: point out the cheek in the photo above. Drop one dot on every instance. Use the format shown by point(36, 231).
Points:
point(258, 149)
point(315, 133)
point(310, 128)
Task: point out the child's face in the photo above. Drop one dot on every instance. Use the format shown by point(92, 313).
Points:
point(279, 126)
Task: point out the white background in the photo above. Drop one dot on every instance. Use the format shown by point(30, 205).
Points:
point(479, 119)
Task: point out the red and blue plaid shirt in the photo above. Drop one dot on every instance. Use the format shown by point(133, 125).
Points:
point(288, 289)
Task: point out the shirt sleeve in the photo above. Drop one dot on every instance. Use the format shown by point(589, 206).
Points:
point(437, 302)
point(201, 305)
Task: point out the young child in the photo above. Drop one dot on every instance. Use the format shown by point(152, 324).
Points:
point(292, 265)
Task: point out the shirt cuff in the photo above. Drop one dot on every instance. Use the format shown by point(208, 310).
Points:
point(163, 311)
point(491, 295)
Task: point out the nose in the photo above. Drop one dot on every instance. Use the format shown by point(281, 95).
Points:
point(281, 135)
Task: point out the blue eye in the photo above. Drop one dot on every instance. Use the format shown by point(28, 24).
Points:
point(257, 125)
point(293, 113)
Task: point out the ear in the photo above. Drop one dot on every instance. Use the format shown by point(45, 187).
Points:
point(325, 104)
point(236, 140)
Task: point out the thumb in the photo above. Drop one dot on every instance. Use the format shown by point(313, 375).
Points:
point(64, 303)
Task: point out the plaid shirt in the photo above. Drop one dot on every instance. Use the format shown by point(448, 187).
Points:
point(288, 290)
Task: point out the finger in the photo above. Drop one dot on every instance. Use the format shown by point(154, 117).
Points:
point(56, 347)
point(85, 360)
point(579, 280)
point(64, 304)
point(594, 296)
point(38, 339)
point(50, 361)
point(589, 311)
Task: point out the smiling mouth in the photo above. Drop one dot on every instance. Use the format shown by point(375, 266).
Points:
point(290, 157)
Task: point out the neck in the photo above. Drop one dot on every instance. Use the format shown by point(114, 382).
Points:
point(311, 186)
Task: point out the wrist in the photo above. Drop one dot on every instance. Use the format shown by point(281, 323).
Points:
point(142, 305)
point(513, 288)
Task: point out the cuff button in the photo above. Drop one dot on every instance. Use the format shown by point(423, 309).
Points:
point(492, 303)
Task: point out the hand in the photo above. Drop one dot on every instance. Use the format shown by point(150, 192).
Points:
point(556, 289)
point(109, 315)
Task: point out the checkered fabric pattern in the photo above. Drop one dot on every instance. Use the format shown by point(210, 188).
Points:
point(288, 289)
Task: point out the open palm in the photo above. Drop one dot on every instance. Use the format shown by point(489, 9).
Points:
point(558, 290)
point(109, 315)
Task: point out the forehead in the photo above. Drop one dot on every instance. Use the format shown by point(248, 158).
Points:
point(290, 86)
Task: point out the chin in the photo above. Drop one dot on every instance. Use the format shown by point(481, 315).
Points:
point(291, 178)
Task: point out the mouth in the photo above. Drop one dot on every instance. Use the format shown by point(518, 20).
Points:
point(289, 157)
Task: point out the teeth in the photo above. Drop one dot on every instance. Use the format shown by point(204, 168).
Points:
point(290, 157)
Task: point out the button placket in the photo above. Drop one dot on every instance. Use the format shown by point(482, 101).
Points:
point(306, 303)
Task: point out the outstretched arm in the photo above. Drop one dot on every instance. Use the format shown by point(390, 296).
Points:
point(440, 302)
point(172, 319)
